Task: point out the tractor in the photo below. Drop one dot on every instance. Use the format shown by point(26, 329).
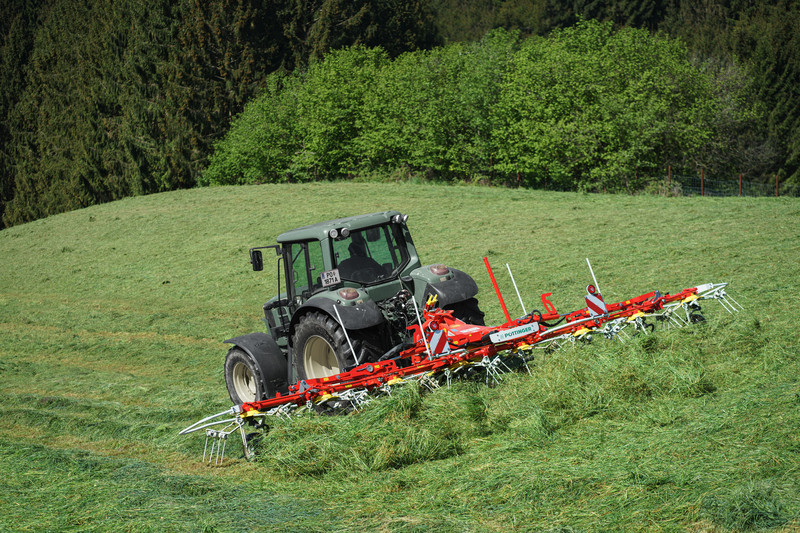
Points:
point(352, 288)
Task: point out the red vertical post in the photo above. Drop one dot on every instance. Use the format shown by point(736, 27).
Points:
point(740, 183)
point(701, 183)
point(497, 290)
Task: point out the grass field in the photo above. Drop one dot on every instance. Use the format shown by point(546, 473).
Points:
point(112, 317)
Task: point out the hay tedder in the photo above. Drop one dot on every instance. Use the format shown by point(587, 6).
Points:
point(429, 332)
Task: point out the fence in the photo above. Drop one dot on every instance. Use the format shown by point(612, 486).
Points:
point(703, 186)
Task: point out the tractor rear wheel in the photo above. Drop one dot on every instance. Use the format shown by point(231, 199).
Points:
point(320, 348)
point(467, 311)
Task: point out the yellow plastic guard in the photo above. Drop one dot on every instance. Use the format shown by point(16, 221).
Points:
point(580, 332)
point(635, 315)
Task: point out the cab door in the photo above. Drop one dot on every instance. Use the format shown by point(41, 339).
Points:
point(303, 268)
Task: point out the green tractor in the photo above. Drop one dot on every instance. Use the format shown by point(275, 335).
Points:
point(351, 289)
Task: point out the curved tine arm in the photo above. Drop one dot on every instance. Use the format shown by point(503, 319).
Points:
point(204, 423)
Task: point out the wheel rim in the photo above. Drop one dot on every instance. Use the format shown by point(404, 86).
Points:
point(244, 382)
point(319, 358)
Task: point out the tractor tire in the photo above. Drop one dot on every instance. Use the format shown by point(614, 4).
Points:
point(243, 378)
point(255, 368)
point(467, 311)
point(320, 348)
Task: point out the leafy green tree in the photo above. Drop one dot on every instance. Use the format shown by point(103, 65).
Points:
point(431, 111)
point(330, 107)
point(600, 110)
point(303, 127)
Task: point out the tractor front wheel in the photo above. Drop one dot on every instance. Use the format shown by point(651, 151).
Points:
point(243, 378)
point(320, 347)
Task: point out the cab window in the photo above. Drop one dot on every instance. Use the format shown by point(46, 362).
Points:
point(370, 255)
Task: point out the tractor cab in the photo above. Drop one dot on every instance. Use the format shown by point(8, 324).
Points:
point(339, 258)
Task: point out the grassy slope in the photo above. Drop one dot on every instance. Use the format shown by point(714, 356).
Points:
point(111, 321)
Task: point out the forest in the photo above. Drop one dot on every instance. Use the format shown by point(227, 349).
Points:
point(107, 99)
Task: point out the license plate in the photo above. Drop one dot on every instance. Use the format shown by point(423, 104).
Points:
point(330, 277)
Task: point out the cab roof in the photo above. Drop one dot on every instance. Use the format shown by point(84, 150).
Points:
point(320, 230)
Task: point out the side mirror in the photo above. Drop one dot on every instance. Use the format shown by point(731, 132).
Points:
point(256, 260)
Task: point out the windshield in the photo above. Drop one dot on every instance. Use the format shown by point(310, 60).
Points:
point(370, 255)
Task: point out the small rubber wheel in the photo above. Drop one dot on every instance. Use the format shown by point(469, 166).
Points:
point(696, 318)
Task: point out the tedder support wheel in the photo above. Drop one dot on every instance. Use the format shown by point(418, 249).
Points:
point(320, 348)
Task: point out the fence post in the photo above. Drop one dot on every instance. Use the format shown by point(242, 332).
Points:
point(701, 183)
point(740, 183)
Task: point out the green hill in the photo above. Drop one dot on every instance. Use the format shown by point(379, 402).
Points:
point(112, 317)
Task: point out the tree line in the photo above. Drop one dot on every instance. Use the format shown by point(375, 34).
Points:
point(586, 108)
point(110, 98)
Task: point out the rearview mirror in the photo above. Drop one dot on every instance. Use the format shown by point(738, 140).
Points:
point(256, 260)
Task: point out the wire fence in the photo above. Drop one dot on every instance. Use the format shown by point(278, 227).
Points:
point(703, 186)
point(671, 184)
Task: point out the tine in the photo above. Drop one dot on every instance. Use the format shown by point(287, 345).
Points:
point(211, 452)
point(730, 302)
point(244, 442)
point(678, 320)
point(729, 297)
point(726, 305)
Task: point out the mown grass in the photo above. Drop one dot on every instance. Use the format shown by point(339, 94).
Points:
point(112, 317)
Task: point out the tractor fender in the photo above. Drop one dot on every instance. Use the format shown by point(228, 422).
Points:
point(456, 289)
point(267, 355)
point(359, 316)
